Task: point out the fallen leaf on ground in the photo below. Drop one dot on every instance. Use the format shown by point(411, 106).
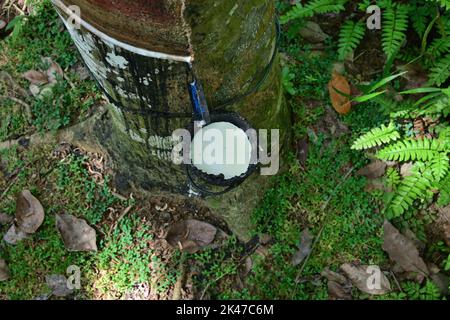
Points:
point(336, 87)
point(333, 276)
point(34, 89)
point(405, 169)
point(339, 287)
point(5, 218)
point(36, 77)
point(81, 70)
point(29, 212)
point(191, 235)
point(447, 234)
point(76, 233)
point(373, 170)
point(313, 33)
point(246, 267)
point(375, 184)
point(58, 284)
point(54, 71)
point(265, 238)
point(4, 270)
point(14, 235)
point(403, 251)
point(441, 281)
point(304, 249)
point(337, 291)
point(362, 278)
point(302, 151)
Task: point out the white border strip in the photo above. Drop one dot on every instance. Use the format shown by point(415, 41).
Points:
point(105, 37)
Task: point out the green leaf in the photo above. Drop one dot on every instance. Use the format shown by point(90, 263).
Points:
point(313, 7)
point(350, 37)
point(385, 81)
point(440, 72)
point(368, 97)
point(376, 137)
point(394, 29)
point(421, 90)
point(413, 187)
point(415, 150)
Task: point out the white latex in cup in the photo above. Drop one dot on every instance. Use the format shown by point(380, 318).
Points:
point(221, 148)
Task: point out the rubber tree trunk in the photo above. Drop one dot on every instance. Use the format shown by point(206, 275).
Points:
point(231, 41)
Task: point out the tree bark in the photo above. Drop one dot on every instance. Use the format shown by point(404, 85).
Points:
point(231, 42)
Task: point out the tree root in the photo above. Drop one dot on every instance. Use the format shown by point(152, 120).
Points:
point(77, 135)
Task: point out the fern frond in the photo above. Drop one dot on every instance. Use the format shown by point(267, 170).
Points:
point(443, 3)
point(409, 54)
point(377, 137)
point(407, 150)
point(421, 18)
point(395, 109)
point(439, 107)
point(444, 194)
point(440, 72)
point(350, 37)
point(439, 166)
point(413, 187)
point(438, 47)
point(392, 177)
point(313, 7)
point(444, 134)
point(394, 29)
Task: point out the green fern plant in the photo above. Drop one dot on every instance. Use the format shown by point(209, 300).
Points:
point(376, 137)
point(444, 195)
point(394, 29)
point(313, 7)
point(443, 3)
point(440, 72)
point(393, 178)
point(350, 37)
point(438, 47)
point(412, 150)
point(431, 167)
point(412, 188)
point(439, 166)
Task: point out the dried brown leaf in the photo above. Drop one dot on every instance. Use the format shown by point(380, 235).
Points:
point(361, 277)
point(5, 218)
point(313, 33)
point(191, 235)
point(4, 270)
point(337, 291)
point(373, 170)
point(76, 233)
point(336, 86)
point(339, 287)
point(304, 249)
point(14, 235)
point(54, 71)
point(58, 284)
point(34, 89)
point(36, 77)
point(302, 151)
point(29, 212)
point(403, 251)
point(333, 276)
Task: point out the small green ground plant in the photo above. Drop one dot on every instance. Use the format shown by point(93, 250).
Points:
point(36, 38)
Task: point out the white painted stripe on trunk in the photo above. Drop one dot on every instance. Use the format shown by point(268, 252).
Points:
point(105, 37)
